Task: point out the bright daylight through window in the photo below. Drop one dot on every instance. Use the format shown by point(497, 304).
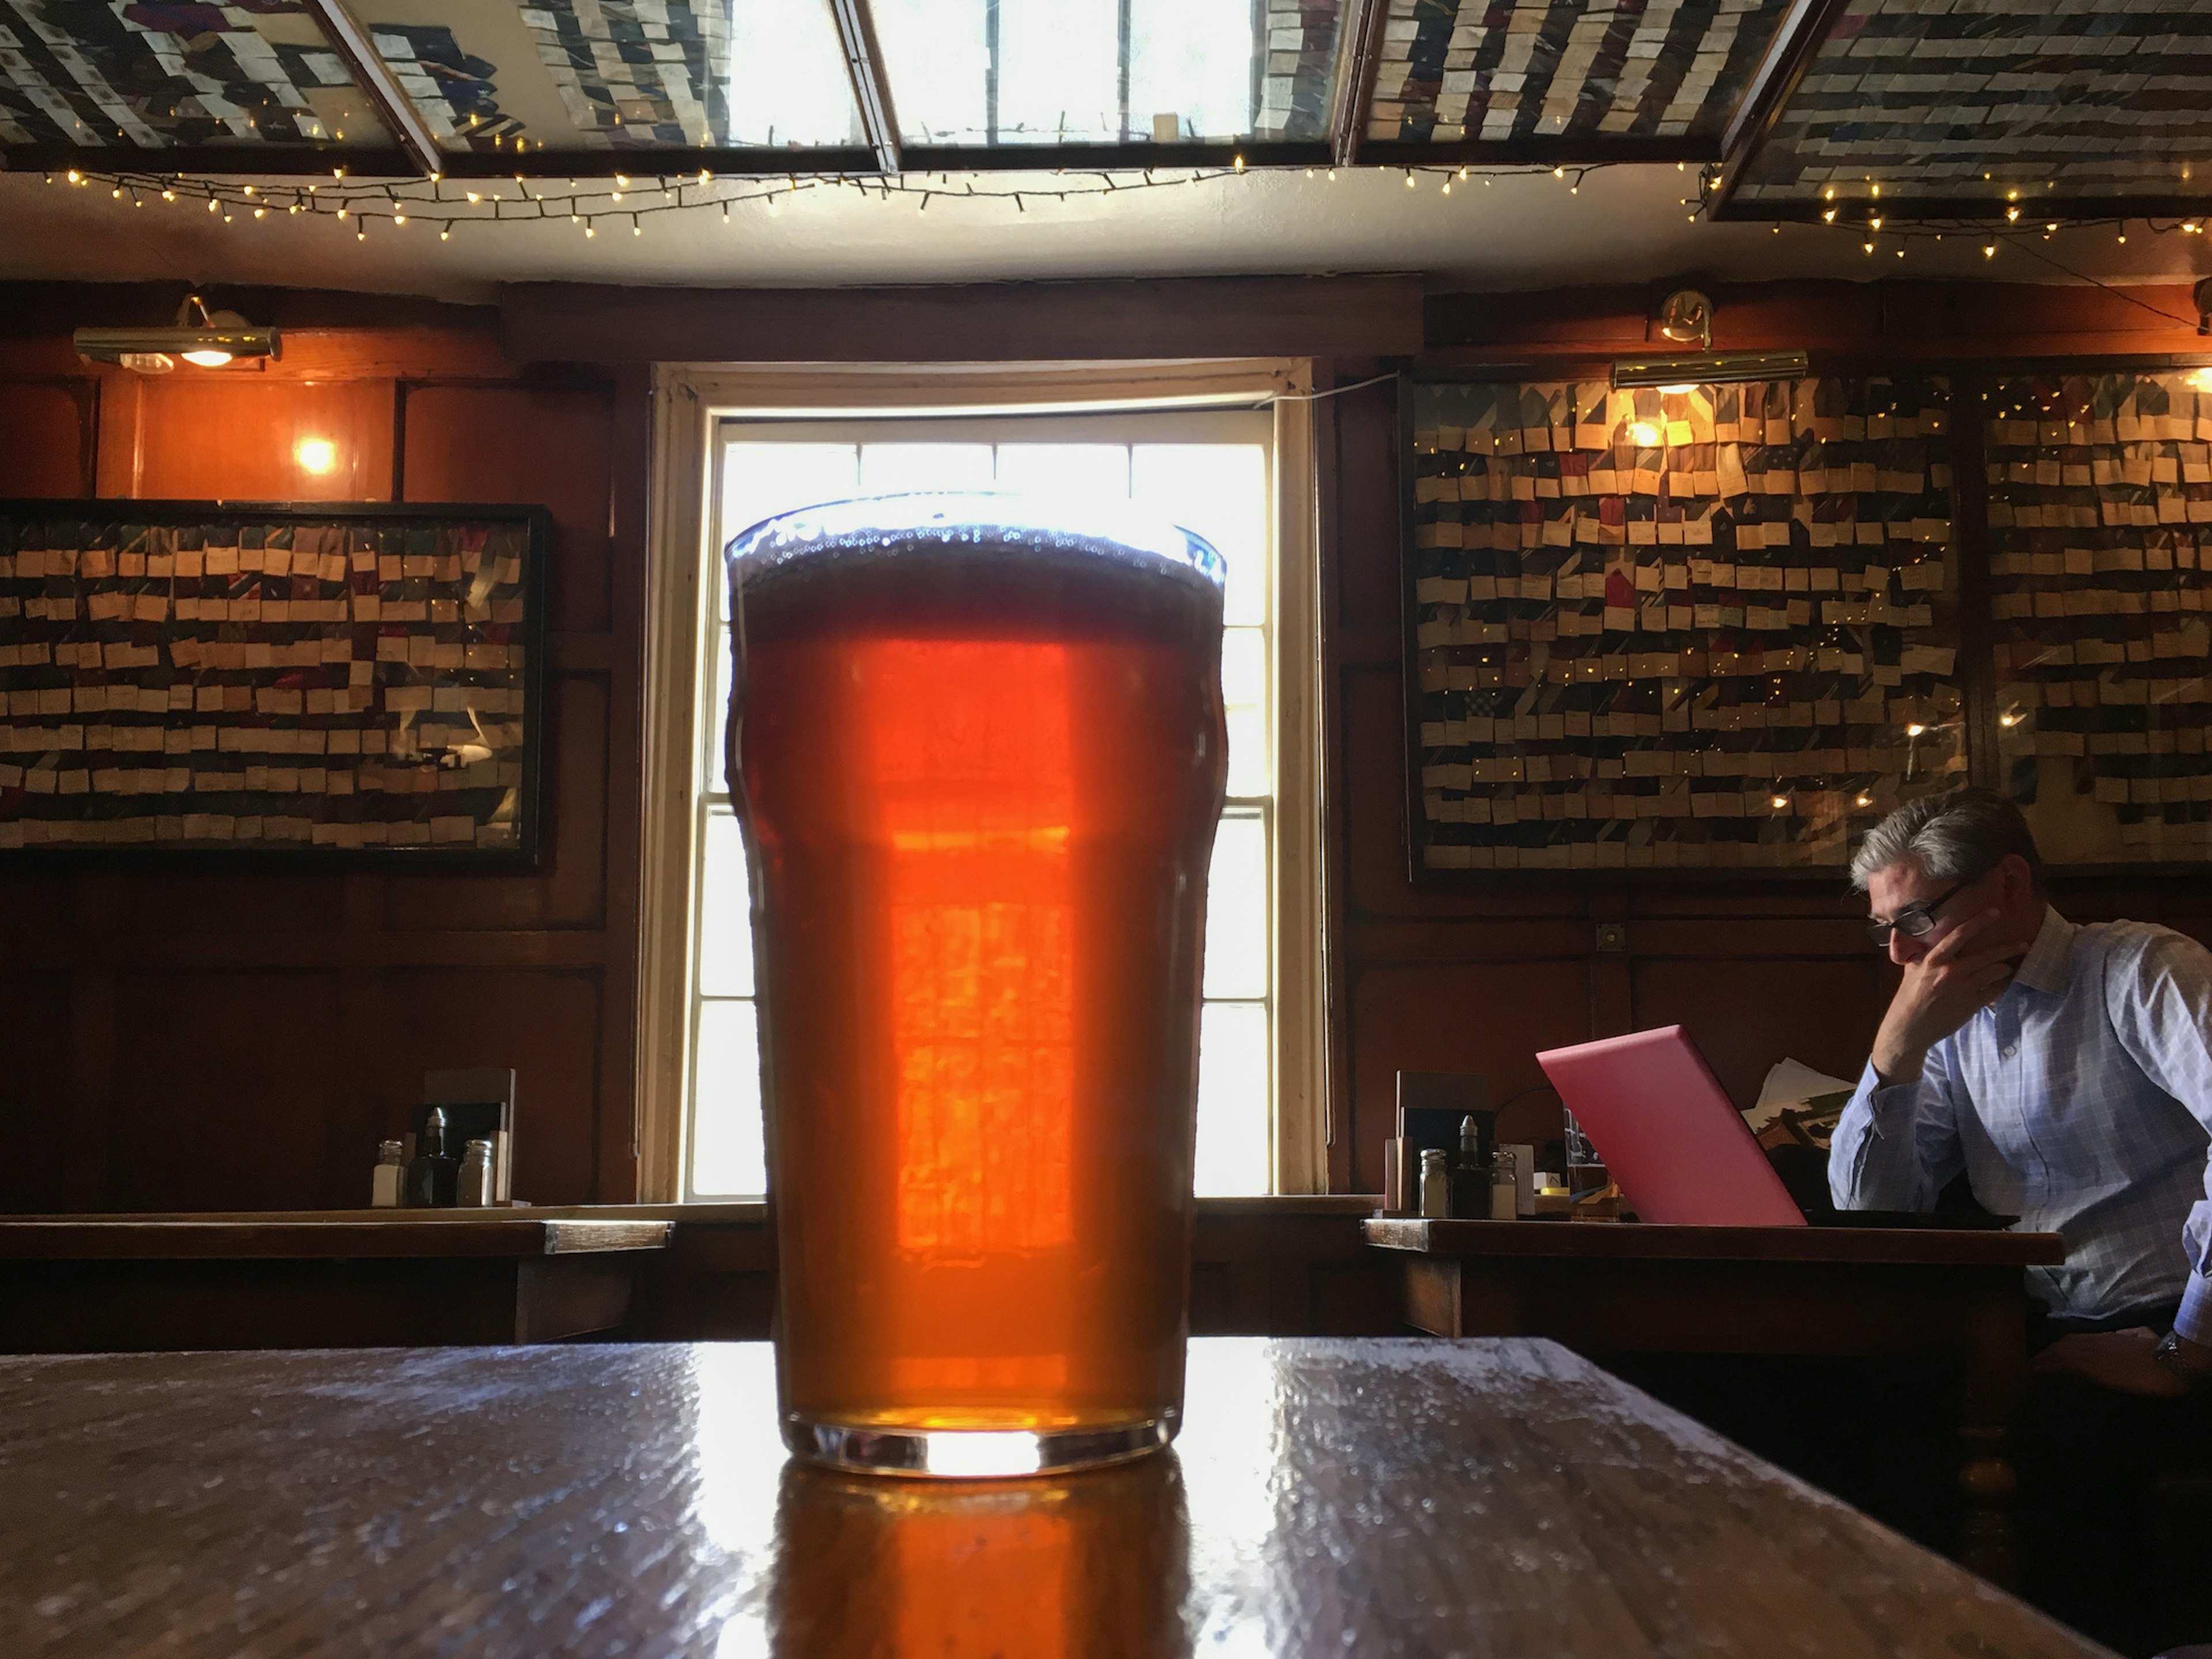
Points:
point(1210, 471)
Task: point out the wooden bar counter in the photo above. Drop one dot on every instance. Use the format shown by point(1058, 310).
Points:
point(1392, 1499)
point(315, 1279)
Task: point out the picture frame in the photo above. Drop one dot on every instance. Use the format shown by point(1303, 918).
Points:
point(1659, 682)
point(327, 685)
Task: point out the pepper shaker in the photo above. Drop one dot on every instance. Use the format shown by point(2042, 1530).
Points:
point(474, 1185)
point(1436, 1185)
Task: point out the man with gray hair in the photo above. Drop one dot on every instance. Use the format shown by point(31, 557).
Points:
point(2064, 1069)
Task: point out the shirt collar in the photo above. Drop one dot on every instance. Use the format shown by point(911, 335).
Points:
point(2049, 964)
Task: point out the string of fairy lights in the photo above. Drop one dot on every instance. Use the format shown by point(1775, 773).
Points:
point(439, 206)
point(622, 203)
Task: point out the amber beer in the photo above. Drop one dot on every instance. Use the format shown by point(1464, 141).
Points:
point(979, 764)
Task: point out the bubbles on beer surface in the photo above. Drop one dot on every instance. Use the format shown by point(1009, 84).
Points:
point(883, 526)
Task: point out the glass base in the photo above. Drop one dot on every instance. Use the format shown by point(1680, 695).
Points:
point(976, 1453)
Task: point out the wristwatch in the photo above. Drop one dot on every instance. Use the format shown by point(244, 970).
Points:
point(2192, 1373)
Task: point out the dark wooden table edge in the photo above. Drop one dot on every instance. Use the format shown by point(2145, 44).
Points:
point(514, 1237)
point(1629, 1242)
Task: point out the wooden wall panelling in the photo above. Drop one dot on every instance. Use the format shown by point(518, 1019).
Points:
point(1859, 325)
point(630, 554)
point(1330, 782)
point(1433, 1015)
point(1262, 1273)
point(114, 459)
point(221, 1083)
point(89, 1042)
point(543, 1021)
point(550, 445)
point(573, 446)
point(1367, 485)
point(49, 434)
point(1745, 1013)
point(367, 979)
point(238, 435)
point(36, 1089)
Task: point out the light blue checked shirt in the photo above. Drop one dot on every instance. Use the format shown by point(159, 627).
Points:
point(2078, 1101)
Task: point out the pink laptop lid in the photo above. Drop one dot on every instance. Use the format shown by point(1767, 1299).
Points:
point(1682, 1153)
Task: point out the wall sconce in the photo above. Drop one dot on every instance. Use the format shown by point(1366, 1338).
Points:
point(1686, 318)
point(207, 339)
point(1681, 374)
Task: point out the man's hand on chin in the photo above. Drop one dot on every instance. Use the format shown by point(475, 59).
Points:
point(1965, 971)
point(2119, 1360)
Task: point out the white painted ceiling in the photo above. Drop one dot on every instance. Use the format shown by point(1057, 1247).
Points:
point(1625, 224)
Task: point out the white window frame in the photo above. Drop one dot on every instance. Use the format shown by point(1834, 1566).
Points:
point(690, 403)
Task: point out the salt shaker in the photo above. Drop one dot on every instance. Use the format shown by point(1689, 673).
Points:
point(1505, 1184)
point(474, 1185)
point(385, 1182)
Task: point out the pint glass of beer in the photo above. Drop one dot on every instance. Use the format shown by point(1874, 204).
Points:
point(978, 750)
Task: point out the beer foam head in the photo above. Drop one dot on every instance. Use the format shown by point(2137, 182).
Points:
point(974, 521)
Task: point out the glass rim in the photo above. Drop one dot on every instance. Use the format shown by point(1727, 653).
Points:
point(1099, 528)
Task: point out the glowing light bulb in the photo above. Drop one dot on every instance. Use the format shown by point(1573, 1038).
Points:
point(1644, 434)
point(317, 455)
point(1866, 800)
point(1780, 801)
point(1915, 729)
point(208, 359)
point(1679, 389)
point(2008, 719)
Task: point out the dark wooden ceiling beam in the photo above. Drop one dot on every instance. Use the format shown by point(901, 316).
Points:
point(1361, 317)
point(1768, 92)
point(400, 117)
point(864, 62)
point(1359, 55)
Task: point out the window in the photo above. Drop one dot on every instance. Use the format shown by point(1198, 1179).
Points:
point(1217, 471)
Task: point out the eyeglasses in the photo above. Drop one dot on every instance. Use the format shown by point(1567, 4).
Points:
point(1914, 920)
